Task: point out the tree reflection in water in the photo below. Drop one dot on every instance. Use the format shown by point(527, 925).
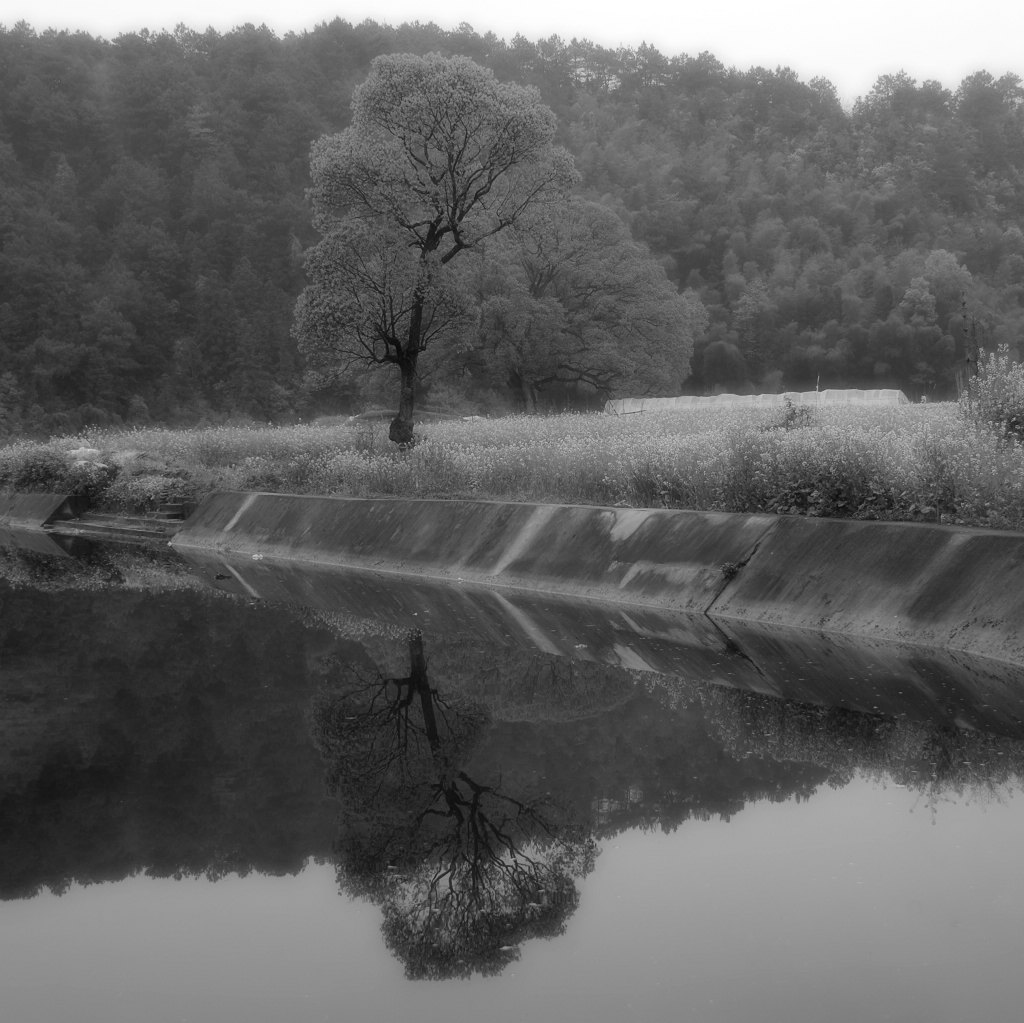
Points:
point(464, 870)
point(933, 758)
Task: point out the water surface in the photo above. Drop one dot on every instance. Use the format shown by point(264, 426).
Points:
point(215, 806)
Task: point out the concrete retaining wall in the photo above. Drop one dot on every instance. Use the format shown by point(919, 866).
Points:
point(23, 516)
point(646, 556)
point(939, 586)
point(32, 511)
point(936, 586)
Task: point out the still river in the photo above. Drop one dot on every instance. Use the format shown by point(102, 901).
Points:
point(248, 792)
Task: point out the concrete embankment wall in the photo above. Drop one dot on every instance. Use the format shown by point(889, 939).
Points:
point(32, 511)
point(938, 586)
point(23, 516)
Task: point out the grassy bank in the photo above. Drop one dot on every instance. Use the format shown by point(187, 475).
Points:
point(910, 462)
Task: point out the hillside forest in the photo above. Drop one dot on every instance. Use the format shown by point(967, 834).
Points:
point(154, 219)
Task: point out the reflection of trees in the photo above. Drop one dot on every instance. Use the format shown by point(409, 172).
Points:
point(95, 566)
point(118, 760)
point(517, 683)
point(464, 870)
point(934, 758)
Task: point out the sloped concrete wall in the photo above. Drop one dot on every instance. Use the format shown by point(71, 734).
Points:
point(22, 517)
point(30, 511)
point(936, 586)
point(640, 555)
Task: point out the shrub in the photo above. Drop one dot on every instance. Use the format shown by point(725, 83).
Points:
point(90, 479)
point(995, 397)
point(38, 470)
point(144, 493)
point(260, 473)
point(790, 417)
point(28, 468)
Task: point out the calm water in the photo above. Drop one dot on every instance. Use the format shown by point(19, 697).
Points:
point(218, 806)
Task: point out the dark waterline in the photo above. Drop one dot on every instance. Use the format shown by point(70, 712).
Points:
point(757, 858)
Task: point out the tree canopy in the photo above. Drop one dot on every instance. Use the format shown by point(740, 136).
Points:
point(572, 299)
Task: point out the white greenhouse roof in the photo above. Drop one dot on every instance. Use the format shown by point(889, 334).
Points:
point(832, 396)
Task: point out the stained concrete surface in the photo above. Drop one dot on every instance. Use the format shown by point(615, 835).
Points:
point(642, 555)
point(936, 586)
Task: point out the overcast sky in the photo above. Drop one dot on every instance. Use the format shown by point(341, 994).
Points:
point(849, 43)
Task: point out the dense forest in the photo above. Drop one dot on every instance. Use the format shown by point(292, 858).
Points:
point(153, 216)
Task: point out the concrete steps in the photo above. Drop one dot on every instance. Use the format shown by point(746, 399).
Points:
point(109, 526)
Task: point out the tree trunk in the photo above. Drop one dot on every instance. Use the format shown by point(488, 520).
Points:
point(401, 432)
point(525, 394)
point(420, 684)
point(401, 426)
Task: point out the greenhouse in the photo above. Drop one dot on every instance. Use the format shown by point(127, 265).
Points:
point(832, 396)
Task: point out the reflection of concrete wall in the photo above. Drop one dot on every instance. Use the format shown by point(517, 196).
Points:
point(34, 540)
point(22, 517)
point(646, 638)
point(939, 586)
point(859, 674)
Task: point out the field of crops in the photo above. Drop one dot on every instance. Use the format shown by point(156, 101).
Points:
point(917, 462)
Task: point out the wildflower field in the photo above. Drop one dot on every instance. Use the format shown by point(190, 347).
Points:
point(929, 462)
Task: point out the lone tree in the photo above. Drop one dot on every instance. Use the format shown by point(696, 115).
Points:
point(439, 156)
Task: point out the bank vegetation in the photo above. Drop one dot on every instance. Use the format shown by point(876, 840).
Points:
point(941, 462)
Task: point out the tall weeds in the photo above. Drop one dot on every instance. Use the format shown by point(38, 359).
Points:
point(918, 462)
point(994, 399)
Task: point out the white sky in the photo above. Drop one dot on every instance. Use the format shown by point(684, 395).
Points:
point(851, 44)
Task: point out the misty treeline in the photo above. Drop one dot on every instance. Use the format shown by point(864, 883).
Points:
point(153, 218)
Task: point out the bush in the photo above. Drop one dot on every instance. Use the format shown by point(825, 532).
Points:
point(136, 495)
point(790, 417)
point(38, 470)
point(995, 397)
point(90, 479)
point(260, 473)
